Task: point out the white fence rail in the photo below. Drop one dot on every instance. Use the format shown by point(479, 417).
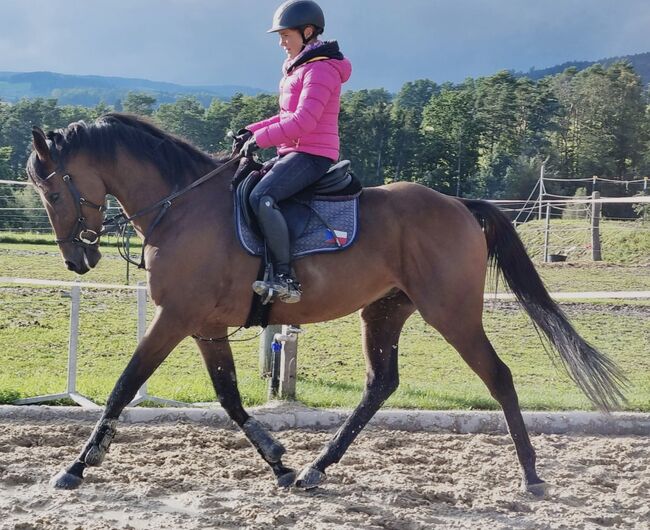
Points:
point(73, 339)
point(280, 367)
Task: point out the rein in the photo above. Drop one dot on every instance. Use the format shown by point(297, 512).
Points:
point(121, 221)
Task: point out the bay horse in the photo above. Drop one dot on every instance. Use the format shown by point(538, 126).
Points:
point(416, 250)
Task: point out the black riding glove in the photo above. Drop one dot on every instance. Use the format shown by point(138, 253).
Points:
point(239, 139)
point(243, 135)
point(249, 147)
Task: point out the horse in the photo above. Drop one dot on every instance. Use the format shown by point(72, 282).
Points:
point(417, 249)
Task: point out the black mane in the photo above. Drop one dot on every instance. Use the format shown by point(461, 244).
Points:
point(176, 159)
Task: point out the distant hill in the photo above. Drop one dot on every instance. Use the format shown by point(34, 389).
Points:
point(89, 90)
point(640, 62)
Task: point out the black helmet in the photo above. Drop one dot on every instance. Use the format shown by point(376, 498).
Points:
point(296, 14)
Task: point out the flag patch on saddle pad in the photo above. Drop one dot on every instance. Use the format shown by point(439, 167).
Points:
point(336, 236)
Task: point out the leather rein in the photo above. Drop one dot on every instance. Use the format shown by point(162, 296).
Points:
point(85, 237)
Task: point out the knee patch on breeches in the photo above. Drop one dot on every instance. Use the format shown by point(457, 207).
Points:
point(263, 204)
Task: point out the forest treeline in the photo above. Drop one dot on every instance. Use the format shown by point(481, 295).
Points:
point(485, 137)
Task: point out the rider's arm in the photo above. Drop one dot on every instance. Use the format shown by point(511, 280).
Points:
point(264, 123)
point(318, 83)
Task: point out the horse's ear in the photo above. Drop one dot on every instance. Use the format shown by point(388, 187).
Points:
point(40, 144)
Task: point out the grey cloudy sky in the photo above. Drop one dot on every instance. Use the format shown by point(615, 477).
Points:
point(389, 41)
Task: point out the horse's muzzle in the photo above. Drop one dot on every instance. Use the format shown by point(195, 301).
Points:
point(83, 259)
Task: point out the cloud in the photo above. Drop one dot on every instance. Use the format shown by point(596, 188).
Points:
point(225, 42)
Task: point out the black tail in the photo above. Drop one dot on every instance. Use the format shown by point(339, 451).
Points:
point(596, 374)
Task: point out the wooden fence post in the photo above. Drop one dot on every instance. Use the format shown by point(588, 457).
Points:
point(289, 359)
point(596, 254)
point(547, 230)
point(282, 383)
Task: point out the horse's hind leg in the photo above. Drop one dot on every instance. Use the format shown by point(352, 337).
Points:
point(161, 338)
point(464, 331)
point(221, 367)
point(382, 323)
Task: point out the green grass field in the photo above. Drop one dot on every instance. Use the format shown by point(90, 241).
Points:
point(34, 335)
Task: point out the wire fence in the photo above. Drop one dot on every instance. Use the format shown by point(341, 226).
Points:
point(22, 212)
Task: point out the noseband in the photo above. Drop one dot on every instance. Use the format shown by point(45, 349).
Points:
point(80, 234)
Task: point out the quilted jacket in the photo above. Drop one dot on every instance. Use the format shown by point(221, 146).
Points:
point(310, 93)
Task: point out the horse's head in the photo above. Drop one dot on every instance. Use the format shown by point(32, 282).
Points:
point(73, 195)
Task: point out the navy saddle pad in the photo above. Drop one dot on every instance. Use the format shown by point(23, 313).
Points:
point(324, 218)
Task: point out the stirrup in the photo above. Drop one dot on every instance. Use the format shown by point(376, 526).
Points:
point(283, 287)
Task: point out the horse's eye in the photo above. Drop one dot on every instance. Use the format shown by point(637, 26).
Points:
point(54, 197)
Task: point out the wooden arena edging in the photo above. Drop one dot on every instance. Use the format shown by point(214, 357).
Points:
point(279, 416)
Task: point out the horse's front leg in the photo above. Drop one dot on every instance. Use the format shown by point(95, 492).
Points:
point(382, 323)
point(161, 338)
point(221, 367)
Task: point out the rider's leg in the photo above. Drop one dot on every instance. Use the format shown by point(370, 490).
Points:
point(276, 233)
point(291, 174)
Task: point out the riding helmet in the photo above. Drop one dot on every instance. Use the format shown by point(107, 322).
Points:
point(296, 14)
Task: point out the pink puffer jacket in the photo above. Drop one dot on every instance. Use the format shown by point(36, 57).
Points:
point(308, 121)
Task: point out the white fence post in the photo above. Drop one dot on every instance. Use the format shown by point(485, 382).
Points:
point(73, 343)
point(73, 338)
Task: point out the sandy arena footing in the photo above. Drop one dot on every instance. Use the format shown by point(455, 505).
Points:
point(182, 475)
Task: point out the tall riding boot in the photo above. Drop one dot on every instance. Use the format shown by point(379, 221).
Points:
point(276, 234)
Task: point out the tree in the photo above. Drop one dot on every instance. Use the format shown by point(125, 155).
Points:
point(496, 110)
point(406, 147)
point(139, 103)
point(16, 127)
point(185, 118)
point(452, 136)
point(5, 170)
point(365, 129)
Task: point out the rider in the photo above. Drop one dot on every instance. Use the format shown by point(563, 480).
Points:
point(305, 131)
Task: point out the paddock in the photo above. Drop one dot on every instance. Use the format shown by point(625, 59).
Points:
point(183, 474)
point(180, 473)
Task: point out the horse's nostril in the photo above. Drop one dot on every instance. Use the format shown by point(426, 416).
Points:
point(71, 266)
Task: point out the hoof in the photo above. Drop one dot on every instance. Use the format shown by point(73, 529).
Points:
point(538, 489)
point(65, 481)
point(286, 480)
point(310, 478)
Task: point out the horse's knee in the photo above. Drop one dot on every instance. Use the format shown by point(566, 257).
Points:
point(383, 386)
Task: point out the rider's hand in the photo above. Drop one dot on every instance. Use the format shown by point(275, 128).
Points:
point(243, 135)
point(249, 147)
point(239, 139)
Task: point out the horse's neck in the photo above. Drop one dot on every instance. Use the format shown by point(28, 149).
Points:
point(137, 186)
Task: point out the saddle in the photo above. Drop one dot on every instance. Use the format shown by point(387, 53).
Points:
point(321, 218)
point(314, 216)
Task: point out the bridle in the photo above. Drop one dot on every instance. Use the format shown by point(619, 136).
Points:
point(80, 234)
point(86, 238)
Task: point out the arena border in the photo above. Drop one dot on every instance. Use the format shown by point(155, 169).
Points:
point(278, 416)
